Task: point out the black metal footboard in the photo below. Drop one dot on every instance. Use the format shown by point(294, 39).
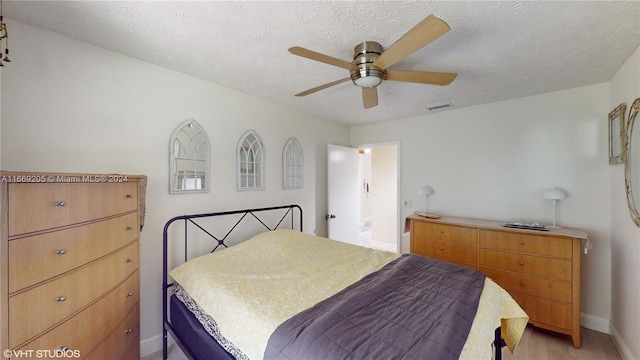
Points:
point(498, 344)
point(195, 222)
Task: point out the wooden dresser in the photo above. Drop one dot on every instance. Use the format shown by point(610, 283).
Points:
point(540, 269)
point(69, 282)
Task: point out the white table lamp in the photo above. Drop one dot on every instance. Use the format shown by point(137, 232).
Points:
point(554, 194)
point(426, 191)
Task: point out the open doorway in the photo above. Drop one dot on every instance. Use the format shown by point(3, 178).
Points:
point(378, 169)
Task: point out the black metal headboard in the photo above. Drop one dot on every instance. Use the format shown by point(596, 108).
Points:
point(285, 211)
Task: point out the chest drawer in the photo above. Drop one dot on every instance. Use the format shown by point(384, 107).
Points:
point(526, 243)
point(98, 320)
point(446, 250)
point(34, 207)
point(37, 309)
point(37, 258)
point(526, 264)
point(459, 234)
point(531, 285)
point(123, 342)
point(541, 311)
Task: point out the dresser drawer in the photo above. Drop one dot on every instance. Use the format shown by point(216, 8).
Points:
point(123, 342)
point(460, 234)
point(34, 207)
point(526, 243)
point(530, 285)
point(90, 327)
point(526, 264)
point(446, 249)
point(35, 310)
point(37, 258)
point(463, 264)
point(541, 311)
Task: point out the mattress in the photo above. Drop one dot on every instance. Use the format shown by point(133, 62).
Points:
point(243, 293)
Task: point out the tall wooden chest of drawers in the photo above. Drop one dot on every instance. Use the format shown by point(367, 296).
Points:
point(69, 282)
point(540, 269)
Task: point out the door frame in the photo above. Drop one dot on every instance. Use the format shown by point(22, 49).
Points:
point(399, 224)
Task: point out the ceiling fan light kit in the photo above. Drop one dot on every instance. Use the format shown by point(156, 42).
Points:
point(370, 62)
point(367, 75)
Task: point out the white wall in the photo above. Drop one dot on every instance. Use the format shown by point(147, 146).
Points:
point(494, 161)
point(71, 107)
point(625, 235)
point(384, 186)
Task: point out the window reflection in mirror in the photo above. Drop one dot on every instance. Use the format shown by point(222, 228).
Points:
point(292, 165)
point(188, 159)
point(250, 162)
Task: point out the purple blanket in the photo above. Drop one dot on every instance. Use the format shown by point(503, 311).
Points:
point(412, 308)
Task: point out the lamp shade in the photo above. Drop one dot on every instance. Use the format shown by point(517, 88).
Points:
point(426, 190)
point(554, 194)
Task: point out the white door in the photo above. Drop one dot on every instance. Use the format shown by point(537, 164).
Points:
point(343, 203)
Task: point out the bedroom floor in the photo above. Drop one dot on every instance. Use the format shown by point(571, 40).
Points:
point(540, 344)
point(535, 344)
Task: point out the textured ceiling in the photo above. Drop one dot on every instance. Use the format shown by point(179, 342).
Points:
point(501, 50)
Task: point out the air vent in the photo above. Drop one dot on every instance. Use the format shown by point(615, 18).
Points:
point(440, 107)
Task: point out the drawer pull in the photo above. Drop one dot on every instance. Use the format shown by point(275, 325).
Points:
point(521, 283)
point(61, 251)
point(521, 263)
point(129, 260)
point(521, 242)
point(61, 203)
point(128, 331)
point(129, 228)
point(130, 294)
point(63, 348)
point(441, 248)
point(129, 196)
point(61, 298)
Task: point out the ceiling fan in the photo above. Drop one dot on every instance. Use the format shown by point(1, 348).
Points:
point(370, 63)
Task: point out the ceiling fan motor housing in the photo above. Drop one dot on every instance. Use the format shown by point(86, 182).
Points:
point(367, 75)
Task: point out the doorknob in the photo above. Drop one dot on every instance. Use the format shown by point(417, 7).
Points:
point(330, 216)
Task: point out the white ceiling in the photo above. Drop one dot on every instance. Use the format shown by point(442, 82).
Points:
point(501, 50)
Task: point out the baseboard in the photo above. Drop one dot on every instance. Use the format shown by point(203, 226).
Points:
point(153, 345)
point(595, 323)
point(623, 349)
point(605, 326)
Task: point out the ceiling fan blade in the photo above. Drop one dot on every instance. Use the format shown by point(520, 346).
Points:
point(369, 97)
point(421, 77)
point(321, 87)
point(309, 54)
point(415, 39)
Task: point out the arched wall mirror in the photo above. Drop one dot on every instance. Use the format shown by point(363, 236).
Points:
point(250, 162)
point(632, 161)
point(292, 165)
point(188, 159)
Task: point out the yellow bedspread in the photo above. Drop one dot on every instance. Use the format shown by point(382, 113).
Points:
point(251, 288)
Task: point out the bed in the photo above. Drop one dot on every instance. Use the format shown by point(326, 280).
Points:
point(284, 294)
